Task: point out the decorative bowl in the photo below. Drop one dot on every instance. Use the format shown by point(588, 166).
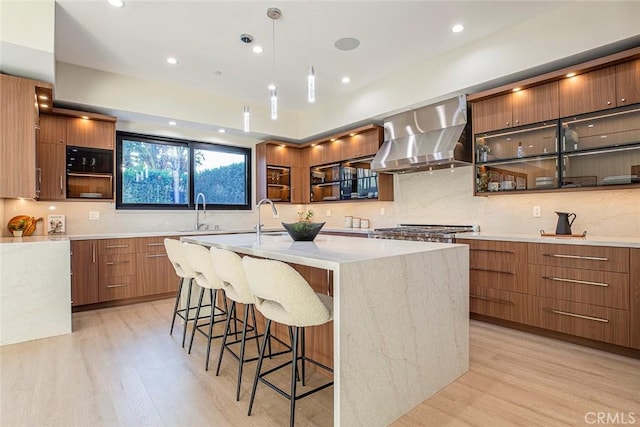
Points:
point(303, 231)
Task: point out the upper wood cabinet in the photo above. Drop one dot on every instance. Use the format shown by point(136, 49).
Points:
point(91, 133)
point(628, 83)
point(53, 129)
point(588, 92)
point(523, 107)
point(274, 157)
point(19, 121)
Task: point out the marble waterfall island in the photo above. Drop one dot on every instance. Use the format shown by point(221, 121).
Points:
point(401, 316)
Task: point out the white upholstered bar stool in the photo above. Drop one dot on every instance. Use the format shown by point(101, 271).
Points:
point(229, 267)
point(184, 272)
point(206, 278)
point(282, 295)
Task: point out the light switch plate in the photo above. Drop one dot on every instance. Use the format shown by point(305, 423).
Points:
point(94, 216)
point(328, 212)
point(536, 211)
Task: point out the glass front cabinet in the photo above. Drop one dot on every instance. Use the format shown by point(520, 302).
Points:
point(351, 180)
point(592, 150)
point(279, 183)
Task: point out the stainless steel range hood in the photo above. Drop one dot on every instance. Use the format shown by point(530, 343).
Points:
point(433, 137)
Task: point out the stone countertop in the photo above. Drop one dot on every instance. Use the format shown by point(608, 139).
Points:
point(326, 251)
point(617, 241)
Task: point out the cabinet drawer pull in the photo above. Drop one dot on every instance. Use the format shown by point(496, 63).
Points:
point(500, 301)
point(116, 246)
point(155, 244)
point(118, 285)
point(580, 316)
point(156, 255)
point(118, 262)
point(589, 258)
point(581, 282)
point(492, 250)
point(491, 271)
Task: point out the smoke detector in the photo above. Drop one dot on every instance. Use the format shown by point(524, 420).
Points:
point(246, 38)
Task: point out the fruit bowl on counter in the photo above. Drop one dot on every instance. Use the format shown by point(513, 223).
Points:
point(303, 231)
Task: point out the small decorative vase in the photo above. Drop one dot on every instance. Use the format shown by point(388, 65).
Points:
point(17, 233)
point(303, 231)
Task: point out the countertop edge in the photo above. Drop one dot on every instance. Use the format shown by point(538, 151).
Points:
point(614, 241)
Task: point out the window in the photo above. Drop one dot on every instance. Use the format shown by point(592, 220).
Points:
point(165, 173)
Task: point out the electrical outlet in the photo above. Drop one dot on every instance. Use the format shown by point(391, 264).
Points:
point(536, 211)
point(328, 212)
point(382, 211)
point(94, 216)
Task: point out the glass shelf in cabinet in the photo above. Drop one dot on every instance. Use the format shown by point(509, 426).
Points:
point(513, 160)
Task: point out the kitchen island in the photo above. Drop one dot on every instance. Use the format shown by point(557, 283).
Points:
point(401, 316)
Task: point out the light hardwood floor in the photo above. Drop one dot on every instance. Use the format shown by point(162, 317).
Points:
point(121, 368)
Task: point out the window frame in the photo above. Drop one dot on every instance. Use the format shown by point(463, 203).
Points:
point(192, 146)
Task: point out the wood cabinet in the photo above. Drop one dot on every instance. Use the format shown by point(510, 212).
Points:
point(19, 118)
point(91, 133)
point(614, 86)
point(117, 269)
point(52, 172)
point(106, 270)
point(154, 272)
point(497, 278)
point(580, 290)
point(280, 175)
point(628, 83)
point(634, 310)
point(523, 107)
point(84, 272)
point(53, 129)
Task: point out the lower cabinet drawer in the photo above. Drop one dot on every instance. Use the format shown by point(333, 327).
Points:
point(584, 320)
point(498, 303)
point(118, 287)
point(498, 279)
point(603, 288)
point(117, 265)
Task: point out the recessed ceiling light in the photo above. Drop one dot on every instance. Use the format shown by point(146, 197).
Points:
point(282, 145)
point(217, 73)
point(172, 123)
point(271, 87)
point(257, 49)
point(571, 75)
point(84, 117)
point(515, 89)
point(44, 105)
point(171, 60)
point(116, 3)
point(590, 126)
point(457, 28)
point(346, 79)
point(347, 43)
point(352, 134)
point(43, 97)
point(222, 131)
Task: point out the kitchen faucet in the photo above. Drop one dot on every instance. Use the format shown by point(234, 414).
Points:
point(274, 210)
point(204, 210)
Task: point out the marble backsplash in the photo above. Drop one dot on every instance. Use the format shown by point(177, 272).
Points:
point(441, 197)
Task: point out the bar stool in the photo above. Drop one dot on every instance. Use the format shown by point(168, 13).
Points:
point(282, 295)
point(201, 263)
point(183, 270)
point(228, 265)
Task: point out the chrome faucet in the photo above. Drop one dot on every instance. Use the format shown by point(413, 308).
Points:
point(204, 210)
point(274, 210)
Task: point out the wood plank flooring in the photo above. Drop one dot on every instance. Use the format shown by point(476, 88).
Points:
point(120, 367)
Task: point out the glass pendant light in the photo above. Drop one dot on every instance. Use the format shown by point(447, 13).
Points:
point(246, 119)
point(274, 102)
point(311, 85)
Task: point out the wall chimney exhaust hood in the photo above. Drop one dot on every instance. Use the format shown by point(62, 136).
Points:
point(433, 137)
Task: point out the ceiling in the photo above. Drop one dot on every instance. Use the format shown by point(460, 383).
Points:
point(205, 37)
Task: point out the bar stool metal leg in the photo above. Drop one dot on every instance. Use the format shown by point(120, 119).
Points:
point(186, 313)
point(175, 307)
point(267, 333)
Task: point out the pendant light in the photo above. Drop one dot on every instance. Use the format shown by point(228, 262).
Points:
point(274, 14)
point(246, 119)
point(311, 75)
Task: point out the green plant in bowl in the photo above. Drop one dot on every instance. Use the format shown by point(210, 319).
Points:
point(303, 231)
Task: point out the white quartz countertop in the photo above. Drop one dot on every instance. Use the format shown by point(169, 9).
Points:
point(325, 251)
point(618, 241)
